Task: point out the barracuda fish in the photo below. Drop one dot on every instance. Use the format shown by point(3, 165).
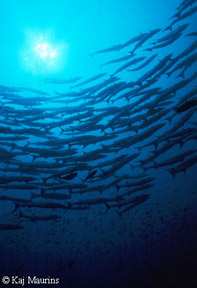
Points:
point(32, 90)
point(138, 138)
point(133, 40)
point(116, 181)
point(165, 43)
point(55, 196)
point(61, 81)
point(64, 186)
point(154, 70)
point(91, 79)
point(172, 34)
point(26, 170)
point(33, 204)
point(69, 176)
point(79, 167)
point(183, 166)
point(96, 88)
point(13, 199)
point(118, 60)
point(38, 165)
point(130, 207)
point(135, 200)
point(34, 218)
point(88, 156)
point(111, 161)
point(181, 122)
point(95, 201)
point(137, 189)
point(193, 34)
point(137, 183)
point(107, 50)
point(19, 186)
point(117, 166)
point(91, 175)
point(25, 131)
point(76, 140)
point(80, 207)
point(45, 152)
point(184, 5)
point(173, 160)
point(8, 179)
point(188, 96)
point(183, 133)
point(13, 138)
point(130, 63)
point(148, 61)
point(187, 105)
point(97, 188)
point(28, 102)
point(182, 17)
point(188, 61)
point(10, 226)
point(7, 155)
point(146, 37)
point(153, 119)
point(9, 89)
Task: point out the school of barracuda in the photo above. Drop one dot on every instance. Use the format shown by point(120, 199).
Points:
point(68, 156)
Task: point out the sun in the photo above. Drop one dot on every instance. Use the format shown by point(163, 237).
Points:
point(42, 53)
point(45, 51)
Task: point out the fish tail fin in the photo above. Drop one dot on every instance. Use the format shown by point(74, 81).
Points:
point(35, 157)
point(168, 28)
point(181, 143)
point(172, 171)
point(69, 205)
point(119, 213)
point(103, 146)
point(117, 187)
point(34, 195)
point(141, 162)
point(21, 215)
point(46, 129)
point(13, 146)
point(132, 166)
point(182, 75)
point(139, 149)
point(107, 206)
point(168, 74)
point(149, 49)
point(16, 206)
point(44, 180)
point(155, 143)
point(132, 52)
point(103, 171)
point(42, 191)
point(169, 119)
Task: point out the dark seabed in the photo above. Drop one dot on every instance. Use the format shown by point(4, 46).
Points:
point(98, 144)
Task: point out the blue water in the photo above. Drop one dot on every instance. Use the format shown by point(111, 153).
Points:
point(152, 244)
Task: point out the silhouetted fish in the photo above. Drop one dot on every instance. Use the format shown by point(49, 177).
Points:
point(11, 227)
point(187, 105)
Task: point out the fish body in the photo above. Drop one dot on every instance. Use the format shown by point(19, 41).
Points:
point(187, 105)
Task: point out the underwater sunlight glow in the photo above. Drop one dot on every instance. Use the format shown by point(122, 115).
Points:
point(45, 51)
point(42, 55)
